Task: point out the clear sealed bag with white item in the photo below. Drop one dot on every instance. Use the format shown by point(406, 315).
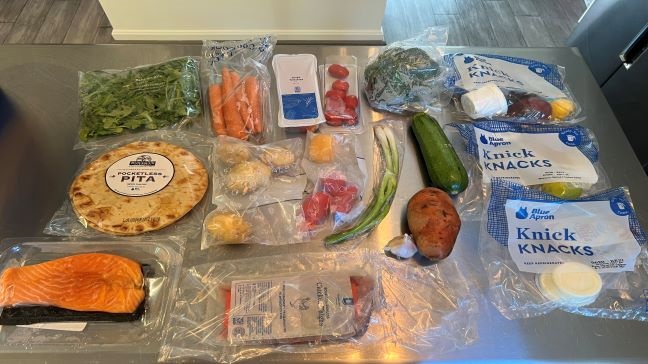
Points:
point(407, 76)
point(340, 94)
point(300, 105)
point(87, 295)
point(488, 85)
point(585, 256)
point(165, 95)
point(270, 224)
point(238, 87)
point(332, 168)
point(342, 304)
point(151, 183)
point(248, 175)
point(559, 160)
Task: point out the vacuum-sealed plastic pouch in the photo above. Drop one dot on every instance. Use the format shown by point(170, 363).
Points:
point(583, 255)
point(559, 160)
point(331, 165)
point(406, 76)
point(166, 95)
point(247, 175)
point(238, 87)
point(488, 85)
point(151, 183)
point(269, 224)
point(315, 303)
point(67, 277)
point(298, 90)
point(340, 94)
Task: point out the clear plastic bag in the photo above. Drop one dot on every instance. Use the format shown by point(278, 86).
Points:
point(586, 256)
point(339, 78)
point(269, 224)
point(386, 307)
point(248, 175)
point(158, 96)
point(161, 260)
point(560, 160)
point(407, 76)
point(332, 168)
point(238, 87)
point(388, 150)
point(529, 89)
point(152, 183)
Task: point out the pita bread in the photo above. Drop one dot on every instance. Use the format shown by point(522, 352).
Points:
point(104, 202)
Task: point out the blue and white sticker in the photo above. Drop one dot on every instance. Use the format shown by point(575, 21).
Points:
point(531, 154)
point(541, 231)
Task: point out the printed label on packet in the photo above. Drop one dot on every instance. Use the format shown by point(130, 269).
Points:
point(533, 158)
point(140, 174)
point(291, 307)
point(542, 235)
point(475, 71)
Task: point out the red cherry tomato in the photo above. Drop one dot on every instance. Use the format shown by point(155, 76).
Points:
point(338, 71)
point(335, 93)
point(351, 101)
point(344, 202)
point(340, 85)
point(335, 104)
point(316, 207)
point(334, 186)
point(333, 119)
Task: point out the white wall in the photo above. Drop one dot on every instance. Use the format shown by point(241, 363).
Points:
point(237, 19)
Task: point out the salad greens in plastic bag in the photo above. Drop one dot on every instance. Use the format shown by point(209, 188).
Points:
point(146, 97)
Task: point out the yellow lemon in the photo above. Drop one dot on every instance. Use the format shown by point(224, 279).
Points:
point(562, 108)
point(564, 190)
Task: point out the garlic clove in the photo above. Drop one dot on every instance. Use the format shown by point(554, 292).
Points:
point(401, 246)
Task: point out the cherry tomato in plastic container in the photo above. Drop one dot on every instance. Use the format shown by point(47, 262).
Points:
point(340, 85)
point(336, 93)
point(316, 208)
point(338, 71)
point(351, 101)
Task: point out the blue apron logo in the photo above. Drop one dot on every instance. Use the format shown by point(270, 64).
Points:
point(522, 213)
point(468, 59)
point(483, 139)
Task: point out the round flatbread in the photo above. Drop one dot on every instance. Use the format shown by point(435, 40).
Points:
point(140, 187)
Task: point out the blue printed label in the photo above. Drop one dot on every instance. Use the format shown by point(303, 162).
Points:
point(299, 106)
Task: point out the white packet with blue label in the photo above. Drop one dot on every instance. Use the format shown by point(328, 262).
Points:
point(559, 160)
point(584, 256)
point(298, 90)
point(532, 89)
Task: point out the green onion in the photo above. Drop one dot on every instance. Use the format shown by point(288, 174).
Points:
point(380, 204)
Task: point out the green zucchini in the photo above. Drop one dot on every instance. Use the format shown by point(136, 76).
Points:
point(443, 165)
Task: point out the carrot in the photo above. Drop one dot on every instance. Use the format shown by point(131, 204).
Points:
point(216, 107)
point(233, 122)
point(242, 104)
point(254, 97)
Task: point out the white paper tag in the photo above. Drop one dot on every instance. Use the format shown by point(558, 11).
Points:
point(140, 174)
point(475, 71)
point(542, 235)
point(533, 158)
point(60, 326)
point(291, 307)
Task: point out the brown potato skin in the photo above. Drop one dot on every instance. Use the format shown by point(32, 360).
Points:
point(433, 222)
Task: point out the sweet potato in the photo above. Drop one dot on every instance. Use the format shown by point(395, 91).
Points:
point(433, 222)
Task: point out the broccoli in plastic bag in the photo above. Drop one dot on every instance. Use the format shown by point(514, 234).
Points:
point(405, 77)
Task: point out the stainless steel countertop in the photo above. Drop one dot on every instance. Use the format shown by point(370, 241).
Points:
point(38, 126)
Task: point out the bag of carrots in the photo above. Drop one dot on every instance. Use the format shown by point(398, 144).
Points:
point(238, 87)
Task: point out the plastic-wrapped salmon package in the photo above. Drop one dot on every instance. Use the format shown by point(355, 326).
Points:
point(345, 304)
point(238, 87)
point(81, 295)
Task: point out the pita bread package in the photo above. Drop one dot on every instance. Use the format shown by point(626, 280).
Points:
point(155, 181)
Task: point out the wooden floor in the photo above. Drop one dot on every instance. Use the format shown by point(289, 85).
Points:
point(494, 23)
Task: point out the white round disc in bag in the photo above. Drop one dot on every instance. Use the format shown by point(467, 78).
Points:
point(577, 281)
point(485, 101)
point(547, 286)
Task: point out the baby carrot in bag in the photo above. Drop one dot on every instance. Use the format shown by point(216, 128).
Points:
point(252, 90)
point(216, 107)
point(233, 122)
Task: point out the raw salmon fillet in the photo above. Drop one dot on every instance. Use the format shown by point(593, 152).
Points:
point(84, 282)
